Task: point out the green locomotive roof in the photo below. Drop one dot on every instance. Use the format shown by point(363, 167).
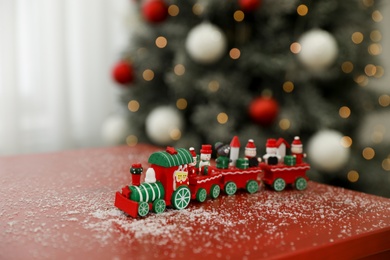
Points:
point(168, 159)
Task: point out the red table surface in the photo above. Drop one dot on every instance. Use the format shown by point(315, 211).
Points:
point(61, 205)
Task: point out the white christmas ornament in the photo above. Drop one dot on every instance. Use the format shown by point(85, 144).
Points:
point(326, 152)
point(115, 130)
point(164, 124)
point(206, 43)
point(319, 49)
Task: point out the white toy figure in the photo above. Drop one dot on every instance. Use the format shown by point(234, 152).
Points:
point(271, 157)
point(205, 156)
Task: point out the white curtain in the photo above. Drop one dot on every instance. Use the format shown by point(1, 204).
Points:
point(55, 62)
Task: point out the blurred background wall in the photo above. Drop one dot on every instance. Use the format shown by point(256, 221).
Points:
point(56, 57)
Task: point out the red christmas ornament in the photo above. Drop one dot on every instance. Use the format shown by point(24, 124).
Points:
point(248, 5)
point(123, 73)
point(155, 11)
point(264, 110)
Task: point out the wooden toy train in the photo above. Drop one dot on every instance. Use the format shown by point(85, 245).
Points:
point(177, 176)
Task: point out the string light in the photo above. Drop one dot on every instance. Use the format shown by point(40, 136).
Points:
point(347, 67)
point(380, 71)
point(175, 134)
point(181, 103)
point(368, 153)
point(357, 37)
point(295, 47)
point(161, 42)
point(173, 10)
point(361, 80)
point(239, 16)
point(368, 3)
point(284, 124)
point(344, 112)
point(213, 86)
point(288, 86)
point(386, 164)
point(179, 69)
point(384, 100)
point(198, 9)
point(353, 176)
point(376, 36)
point(346, 141)
point(222, 118)
point(370, 70)
point(375, 49)
point(235, 53)
point(133, 105)
point(131, 140)
point(377, 16)
point(148, 74)
point(302, 10)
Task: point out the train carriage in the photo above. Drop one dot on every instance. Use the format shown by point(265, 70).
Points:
point(203, 185)
point(235, 178)
point(280, 175)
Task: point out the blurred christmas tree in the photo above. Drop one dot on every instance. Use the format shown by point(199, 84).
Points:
point(202, 71)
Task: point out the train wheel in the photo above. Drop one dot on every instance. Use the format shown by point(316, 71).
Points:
point(143, 208)
point(300, 183)
point(230, 188)
point(215, 191)
point(181, 197)
point(252, 186)
point(279, 184)
point(201, 195)
point(159, 206)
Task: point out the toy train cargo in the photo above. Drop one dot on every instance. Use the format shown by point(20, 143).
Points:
point(177, 176)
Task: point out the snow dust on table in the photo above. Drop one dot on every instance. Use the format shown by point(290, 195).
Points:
point(71, 213)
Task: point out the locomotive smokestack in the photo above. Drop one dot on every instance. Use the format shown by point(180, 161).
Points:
point(136, 171)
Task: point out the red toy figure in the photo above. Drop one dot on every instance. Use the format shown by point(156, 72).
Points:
point(271, 157)
point(192, 167)
point(297, 150)
point(250, 153)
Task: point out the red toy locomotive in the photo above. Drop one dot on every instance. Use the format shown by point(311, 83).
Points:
point(177, 176)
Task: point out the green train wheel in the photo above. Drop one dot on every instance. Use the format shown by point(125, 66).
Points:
point(143, 208)
point(215, 191)
point(159, 206)
point(230, 188)
point(181, 197)
point(201, 195)
point(279, 184)
point(300, 183)
point(252, 186)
